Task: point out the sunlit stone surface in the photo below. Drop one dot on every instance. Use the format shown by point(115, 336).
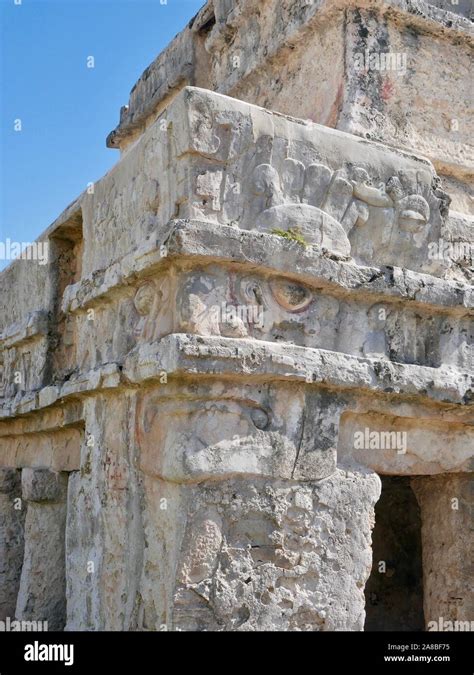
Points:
point(265, 306)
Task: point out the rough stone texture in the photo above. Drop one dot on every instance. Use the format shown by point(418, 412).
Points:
point(265, 53)
point(253, 289)
point(446, 504)
point(277, 556)
point(12, 517)
point(41, 596)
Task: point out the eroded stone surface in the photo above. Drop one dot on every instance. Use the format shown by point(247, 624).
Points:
point(446, 504)
point(251, 314)
point(256, 557)
point(41, 596)
point(12, 518)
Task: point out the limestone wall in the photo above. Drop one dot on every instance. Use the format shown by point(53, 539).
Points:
point(240, 327)
point(303, 59)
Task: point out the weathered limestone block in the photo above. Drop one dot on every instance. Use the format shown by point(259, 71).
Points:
point(42, 593)
point(344, 195)
point(406, 445)
point(446, 504)
point(23, 361)
point(104, 532)
point(220, 301)
point(12, 517)
point(247, 317)
point(26, 279)
point(164, 506)
point(276, 555)
point(269, 431)
point(83, 555)
point(248, 534)
point(255, 554)
point(58, 448)
point(373, 60)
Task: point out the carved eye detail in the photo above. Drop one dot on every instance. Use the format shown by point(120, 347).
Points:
point(290, 295)
point(143, 300)
point(252, 291)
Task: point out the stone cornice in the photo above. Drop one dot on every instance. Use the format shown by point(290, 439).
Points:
point(202, 242)
point(181, 355)
point(176, 66)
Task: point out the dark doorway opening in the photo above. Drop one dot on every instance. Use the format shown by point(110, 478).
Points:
point(394, 591)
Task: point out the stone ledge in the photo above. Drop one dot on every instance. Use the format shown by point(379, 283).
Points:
point(107, 376)
point(139, 367)
point(214, 356)
point(33, 326)
point(203, 242)
point(313, 265)
point(180, 355)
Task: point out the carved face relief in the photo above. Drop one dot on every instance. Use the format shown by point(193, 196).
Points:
point(192, 440)
point(288, 295)
point(229, 304)
point(266, 183)
point(150, 301)
point(413, 213)
point(315, 205)
point(144, 298)
point(288, 310)
point(308, 202)
point(397, 219)
point(412, 210)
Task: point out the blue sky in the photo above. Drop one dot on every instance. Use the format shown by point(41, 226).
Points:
point(66, 109)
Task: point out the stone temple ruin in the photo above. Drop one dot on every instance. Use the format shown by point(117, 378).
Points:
point(239, 395)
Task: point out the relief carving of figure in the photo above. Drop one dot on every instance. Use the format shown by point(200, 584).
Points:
point(328, 208)
point(151, 302)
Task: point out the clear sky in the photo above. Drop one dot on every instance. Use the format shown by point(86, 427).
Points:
point(67, 109)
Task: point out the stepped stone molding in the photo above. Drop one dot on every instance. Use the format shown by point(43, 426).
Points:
point(247, 323)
